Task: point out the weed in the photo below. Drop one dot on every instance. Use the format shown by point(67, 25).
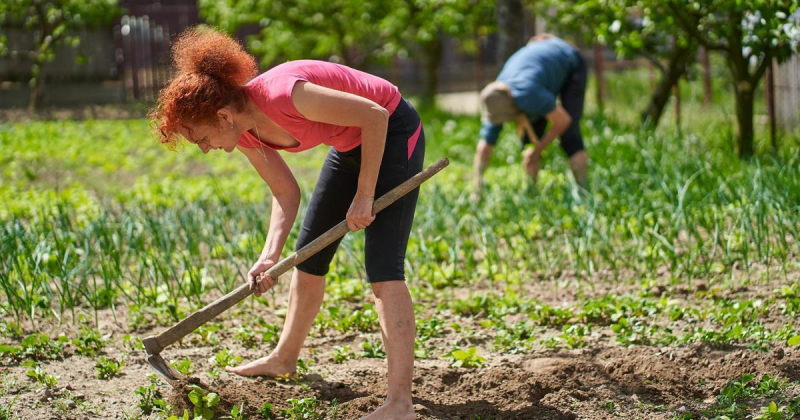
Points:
point(303, 408)
point(203, 402)
point(224, 358)
point(36, 347)
point(108, 368)
point(150, 399)
point(372, 349)
point(89, 342)
point(184, 366)
point(266, 411)
point(341, 354)
point(468, 358)
point(38, 374)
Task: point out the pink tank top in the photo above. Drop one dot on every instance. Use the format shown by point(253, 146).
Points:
point(272, 93)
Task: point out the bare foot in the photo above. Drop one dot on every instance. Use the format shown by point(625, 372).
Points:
point(392, 411)
point(265, 366)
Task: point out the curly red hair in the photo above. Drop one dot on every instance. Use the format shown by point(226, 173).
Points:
point(212, 69)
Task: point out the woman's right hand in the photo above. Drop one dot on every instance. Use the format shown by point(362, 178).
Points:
point(258, 279)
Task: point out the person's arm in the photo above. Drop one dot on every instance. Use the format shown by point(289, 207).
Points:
point(559, 122)
point(318, 103)
point(285, 202)
point(488, 138)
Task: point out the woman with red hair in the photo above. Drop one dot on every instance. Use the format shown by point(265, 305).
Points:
point(376, 141)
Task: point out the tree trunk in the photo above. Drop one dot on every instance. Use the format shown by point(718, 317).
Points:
point(599, 75)
point(744, 117)
point(510, 28)
point(433, 52)
point(37, 89)
point(675, 70)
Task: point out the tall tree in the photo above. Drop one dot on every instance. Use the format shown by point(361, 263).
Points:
point(52, 24)
point(510, 28)
point(354, 32)
point(751, 34)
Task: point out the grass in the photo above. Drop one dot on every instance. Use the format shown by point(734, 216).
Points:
point(97, 216)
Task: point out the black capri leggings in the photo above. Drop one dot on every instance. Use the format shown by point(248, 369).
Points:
point(387, 236)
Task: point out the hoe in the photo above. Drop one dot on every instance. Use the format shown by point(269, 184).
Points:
point(155, 344)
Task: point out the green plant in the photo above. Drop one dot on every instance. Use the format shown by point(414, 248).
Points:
point(372, 349)
point(224, 358)
point(183, 366)
point(38, 374)
point(266, 411)
point(150, 399)
point(89, 342)
point(108, 368)
point(468, 358)
point(302, 408)
point(237, 412)
point(36, 347)
point(203, 402)
point(341, 354)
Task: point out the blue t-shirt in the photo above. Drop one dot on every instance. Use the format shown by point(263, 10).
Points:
point(536, 74)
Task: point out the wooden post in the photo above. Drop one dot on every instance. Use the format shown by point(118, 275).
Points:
point(707, 98)
point(769, 95)
point(599, 76)
point(479, 67)
point(676, 93)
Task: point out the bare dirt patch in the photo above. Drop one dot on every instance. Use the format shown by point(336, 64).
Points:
point(601, 380)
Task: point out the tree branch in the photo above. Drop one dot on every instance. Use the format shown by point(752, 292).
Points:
point(692, 30)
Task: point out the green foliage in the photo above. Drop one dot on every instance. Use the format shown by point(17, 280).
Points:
point(36, 346)
point(372, 349)
point(302, 408)
point(731, 401)
point(354, 33)
point(203, 402)
point(266, 411)
point(224, 358)
point(184, 366)
point(37, 373)
point(89, 342)
point(108, 368)
point(468, 358)
point(341, 354)
point(52, 24)
point(150, 399)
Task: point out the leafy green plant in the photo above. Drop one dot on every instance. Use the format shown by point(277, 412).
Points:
point(372, 349)
point(224, 358)
point(89, 342)
point(267, 411)
point(150, 399)
point(303, 408)
point(468, 358)
point(237, 412)
point(184, 366)
point(203, 402)
point(341, 354)
point(38, 374)
point(108, 368)
point(36, 347)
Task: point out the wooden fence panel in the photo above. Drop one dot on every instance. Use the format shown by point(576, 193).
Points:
point(787, 94)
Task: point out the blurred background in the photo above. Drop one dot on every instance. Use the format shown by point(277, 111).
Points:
point(77, 53)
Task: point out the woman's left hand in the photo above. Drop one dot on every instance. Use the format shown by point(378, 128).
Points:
point(359, 216)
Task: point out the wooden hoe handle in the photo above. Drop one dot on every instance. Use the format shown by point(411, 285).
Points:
point(155, 344)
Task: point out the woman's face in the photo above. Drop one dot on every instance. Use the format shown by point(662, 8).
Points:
point(212, 136)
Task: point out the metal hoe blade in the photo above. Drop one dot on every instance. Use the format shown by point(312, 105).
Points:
point(158, 363)
point(163, 368)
